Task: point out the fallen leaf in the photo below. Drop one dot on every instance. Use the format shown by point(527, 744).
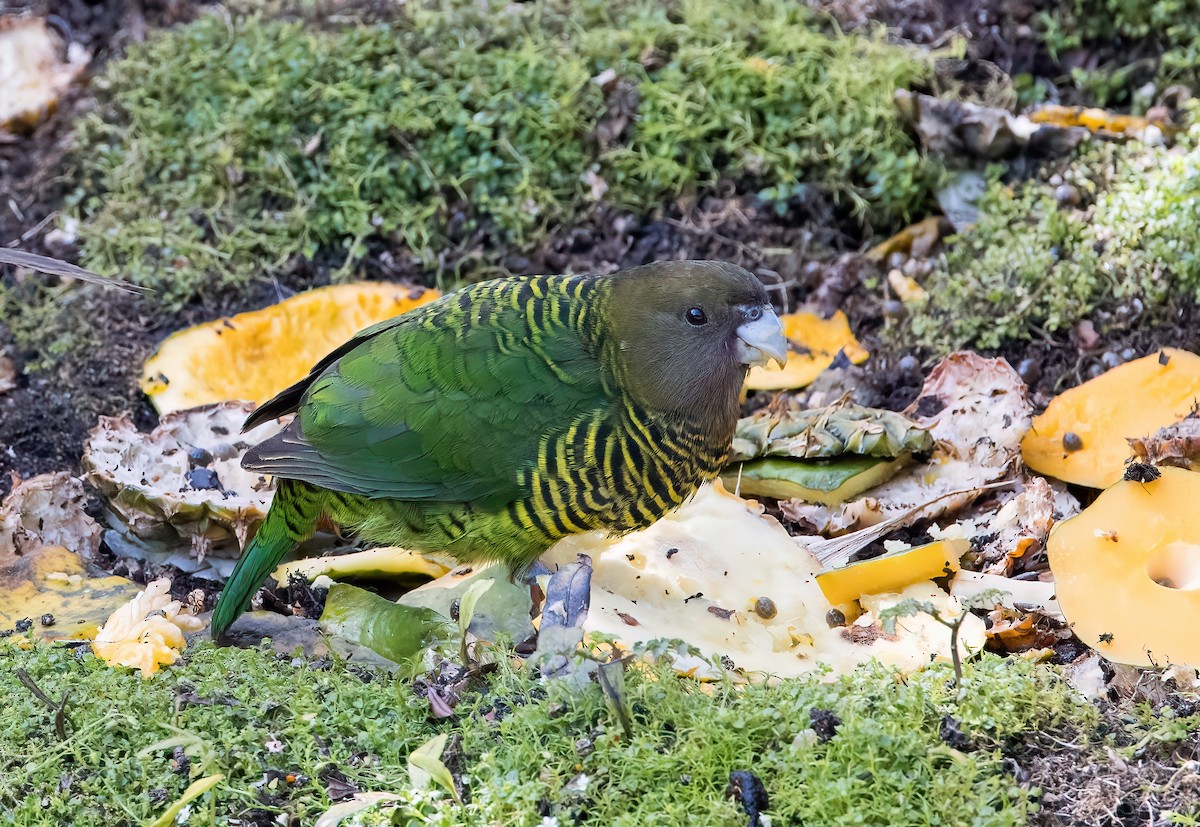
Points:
point(1109, 124)
point(906, 288)
point(1177, 444)
point(196, 789)
point(918, 240)
point(967, 131)
point(361, 802)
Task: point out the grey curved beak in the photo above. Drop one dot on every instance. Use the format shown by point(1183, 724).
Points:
point(761, 340)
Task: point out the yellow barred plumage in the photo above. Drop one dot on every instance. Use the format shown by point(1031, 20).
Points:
point(616, 470)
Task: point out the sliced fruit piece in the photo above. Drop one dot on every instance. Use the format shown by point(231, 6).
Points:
point(786, 430)
point(253, 356)
point(814, 343)
point(892, 572)
point(1127, 571)
point(389, 562)
point(53, 581)
point(1082, 438)
point(721, 576)
point(146, 632)
point(825, 481)
point(185, 474)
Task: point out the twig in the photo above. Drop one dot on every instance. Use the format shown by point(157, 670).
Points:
point(59, 709)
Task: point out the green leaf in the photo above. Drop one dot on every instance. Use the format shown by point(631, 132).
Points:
point(466, 604)
point(195, 790)
point(425, 766)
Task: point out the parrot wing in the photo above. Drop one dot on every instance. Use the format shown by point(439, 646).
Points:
point(449, 403)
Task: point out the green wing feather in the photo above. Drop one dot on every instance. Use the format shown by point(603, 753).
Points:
point(447, 403)
point(291, 519)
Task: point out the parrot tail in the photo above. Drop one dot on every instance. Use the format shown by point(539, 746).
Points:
point(291, 519)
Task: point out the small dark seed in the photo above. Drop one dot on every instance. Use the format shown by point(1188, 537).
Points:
point(1030, 371)
point(454, 609)
point(764, 607)
point(835, 618)
point(47, 619)
point(1071, 441)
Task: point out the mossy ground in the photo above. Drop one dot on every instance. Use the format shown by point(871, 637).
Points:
point(454, 125)
point(1033, 267)
point(523, 750)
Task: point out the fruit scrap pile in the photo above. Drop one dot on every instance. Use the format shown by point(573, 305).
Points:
point(837, 534)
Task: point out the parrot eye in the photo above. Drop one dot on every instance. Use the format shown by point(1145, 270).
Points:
point(754, 313)
point(695, 316)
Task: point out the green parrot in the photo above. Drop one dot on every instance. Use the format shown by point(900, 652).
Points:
point(495, 421)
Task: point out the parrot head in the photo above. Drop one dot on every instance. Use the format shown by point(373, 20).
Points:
point(688, 331)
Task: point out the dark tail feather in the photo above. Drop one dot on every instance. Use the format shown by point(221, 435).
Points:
point(291, 519)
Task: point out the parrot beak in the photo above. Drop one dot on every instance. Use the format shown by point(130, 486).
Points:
point(760, 338)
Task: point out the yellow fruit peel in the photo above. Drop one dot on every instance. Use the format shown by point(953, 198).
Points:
point(1127, 571)
point(892, 572)
point(252, 356)
point(813, 344)
point(1082, 437)
point(54, 581)
point(375, 563)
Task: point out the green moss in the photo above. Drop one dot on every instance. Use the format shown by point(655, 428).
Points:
point(1163, 34)
point(1030, 267)
point(224, 151)
point(49, 322)
point(526, 748)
